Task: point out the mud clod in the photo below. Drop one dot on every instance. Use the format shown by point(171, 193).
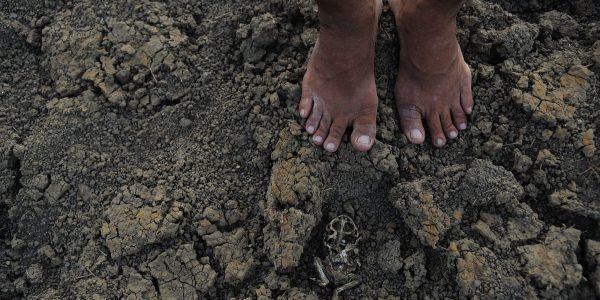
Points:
point(414, 270)
point(259, 34)
point(495, 184)
point(522, 162)
point(420, 212)
point(560, 23)
point(390, 258)
point(139, 288)
point(482, 273)
point(553, 264)
point(131, 224)
point(592, 256)
point(56, 190)
point(292, 210)
point(180, 275)
point(87, 58)
point(231, 251)
point(587, 144)
point(383, 159)
point(555, 99)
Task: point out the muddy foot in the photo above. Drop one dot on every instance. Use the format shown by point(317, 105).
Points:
point(434, 82)
point(338, 89)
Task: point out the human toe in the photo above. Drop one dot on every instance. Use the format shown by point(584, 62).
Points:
point(363, 134)
point(323, 131)
point(412, 124)
point(448, 126)
point(438, 138)
point(312, 124)
point(336, 132)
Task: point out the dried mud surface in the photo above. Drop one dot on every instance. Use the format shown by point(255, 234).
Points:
point(151, 150)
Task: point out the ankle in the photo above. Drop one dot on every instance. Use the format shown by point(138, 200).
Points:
point(427, 30)
point(421, 17)
point(347, 16)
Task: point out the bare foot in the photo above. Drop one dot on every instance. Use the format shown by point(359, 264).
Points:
point(338, 89)
point(434, 82)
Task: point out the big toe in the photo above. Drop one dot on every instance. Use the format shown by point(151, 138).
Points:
point(363, 135)
point(412, 124)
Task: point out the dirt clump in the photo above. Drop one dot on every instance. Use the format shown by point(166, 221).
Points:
point(131, 225)
point(480, 272)
point(298, 193)
point(553, 265)
point(390, 258)
point(180, 274)
point(553, 100)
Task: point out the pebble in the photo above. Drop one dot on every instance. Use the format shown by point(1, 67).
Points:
point(185, 122)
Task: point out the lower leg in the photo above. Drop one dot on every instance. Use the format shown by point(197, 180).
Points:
point(338, 89)
point(434, 82)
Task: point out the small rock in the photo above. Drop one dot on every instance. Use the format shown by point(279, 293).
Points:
point(215, 216)
point(120, 32)
point(522, 162)
point(205, 227)
point(545, 158)
point(263, 293)
point(118, 97)
point(588, 144)
point(493, 146)
point(40, 181)
point(123, 76)
point(184, 122)
point(309, 37)
point(56, 190)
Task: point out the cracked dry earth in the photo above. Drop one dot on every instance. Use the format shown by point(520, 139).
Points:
point(152, 150)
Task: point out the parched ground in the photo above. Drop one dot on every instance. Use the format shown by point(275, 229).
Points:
point(152, 150)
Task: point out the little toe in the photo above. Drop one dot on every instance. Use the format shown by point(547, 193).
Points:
point(323, 131)
point(412, 124)
point(336, 132)
point(363, 134)
point(448, 126)
point(438, 138)
point(305, 107)
point(466, 92)
point(306, 101)
point(312, 124)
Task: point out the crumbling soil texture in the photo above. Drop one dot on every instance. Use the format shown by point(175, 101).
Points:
point(152, 150)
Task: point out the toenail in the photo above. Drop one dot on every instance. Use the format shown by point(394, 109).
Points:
point(469, 110)
point(453, 134)
point(364, 140)
point(439, 142)
point(462, 126)
point(303, 113)
point(330, 147)
point(317, 139)
point(310, 129)
point(416, 134)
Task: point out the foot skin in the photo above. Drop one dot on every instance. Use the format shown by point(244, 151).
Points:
point(434, 82)
point(338, 89)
